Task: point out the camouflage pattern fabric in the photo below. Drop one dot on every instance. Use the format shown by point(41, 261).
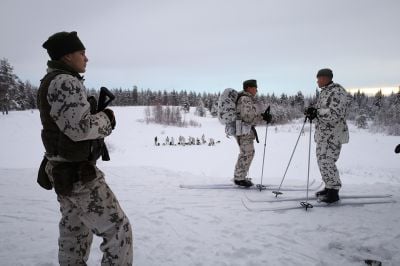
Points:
point(246, 155)
point(327, 155)
point(70, 110)
point(246, 111)
point(227, 106)
point(91, 209)
point(332, 108)
point(331, 131)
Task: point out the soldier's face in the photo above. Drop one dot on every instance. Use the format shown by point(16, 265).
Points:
point(252, 90)
point(77, 60)
point(323, 81)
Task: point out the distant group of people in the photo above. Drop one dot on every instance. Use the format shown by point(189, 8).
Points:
point(170, 141)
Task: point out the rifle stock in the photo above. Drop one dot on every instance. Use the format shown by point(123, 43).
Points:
point(105, 98)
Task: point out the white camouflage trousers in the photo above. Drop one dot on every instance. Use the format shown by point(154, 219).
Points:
point(91, 209)
point(327, 155)
point(246, 155)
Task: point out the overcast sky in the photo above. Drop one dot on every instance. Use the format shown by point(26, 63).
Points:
point(208, 45)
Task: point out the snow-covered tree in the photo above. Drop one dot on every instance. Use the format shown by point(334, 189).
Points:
point(200, 109)
point(361, 121)
point(299, 100)
point(8, 84)
point(378, 99)
point(30, 95)
point(184, 102)
point(165, 115)
point(147, 114)
point(214, 110)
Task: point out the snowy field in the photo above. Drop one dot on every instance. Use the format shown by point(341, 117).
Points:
point(175, 226)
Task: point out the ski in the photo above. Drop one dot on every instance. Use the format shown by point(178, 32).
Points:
point(315, 204)
point(255, 187)
point(366, 196)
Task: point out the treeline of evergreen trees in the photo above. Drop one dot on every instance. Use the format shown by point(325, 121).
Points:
point(284, 108)
point(383, 112)
point(168, 115)
point(14, 94)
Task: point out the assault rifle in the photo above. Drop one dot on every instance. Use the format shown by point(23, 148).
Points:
point(105, 98)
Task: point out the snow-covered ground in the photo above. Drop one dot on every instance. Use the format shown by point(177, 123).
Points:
point(174, 226)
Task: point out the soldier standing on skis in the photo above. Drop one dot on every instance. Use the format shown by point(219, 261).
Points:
point(72, 135)
point(247, 117)
point(331, 132)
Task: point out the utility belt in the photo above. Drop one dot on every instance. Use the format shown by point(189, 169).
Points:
point(65, 174)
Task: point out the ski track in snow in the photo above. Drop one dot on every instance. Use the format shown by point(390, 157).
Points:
point(174, 226)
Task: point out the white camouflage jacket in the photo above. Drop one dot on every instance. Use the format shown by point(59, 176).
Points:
point(71, 110)
point(332, 109)
point(247, 113)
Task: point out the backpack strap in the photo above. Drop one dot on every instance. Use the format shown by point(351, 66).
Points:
point(46, 80)
point(240, 94)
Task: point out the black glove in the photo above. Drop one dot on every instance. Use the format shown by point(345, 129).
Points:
point(267, 117)
point(311, 113)
point(397, 150)
point(110, 115)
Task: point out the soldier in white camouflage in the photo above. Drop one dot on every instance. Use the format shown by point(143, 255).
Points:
point(72, 135)
point(247, 117)
point(331, 132)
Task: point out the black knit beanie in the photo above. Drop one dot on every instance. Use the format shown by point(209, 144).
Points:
point(325, 72)
point(62, 43)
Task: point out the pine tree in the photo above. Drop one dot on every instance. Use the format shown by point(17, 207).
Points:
point(135, 96)
point(284, 100)
point(299, 100)
point(214, 110)
point(200, 110)
point(185, 103)
point(361, 121)
point(20, 99)
point(393, 114)
point(8, 85)
point(378, 99)
point(30, 95)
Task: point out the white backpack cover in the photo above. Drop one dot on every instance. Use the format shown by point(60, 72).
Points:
point(227, 110)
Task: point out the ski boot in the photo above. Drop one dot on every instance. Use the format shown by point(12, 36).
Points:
point(331, 196)
point(321, 193)
point(244, 183)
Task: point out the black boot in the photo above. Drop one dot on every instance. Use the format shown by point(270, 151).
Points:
point(244, 183)
point(331, 196)
point(321, 193)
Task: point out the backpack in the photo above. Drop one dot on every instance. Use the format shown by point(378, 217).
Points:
point(227, 110)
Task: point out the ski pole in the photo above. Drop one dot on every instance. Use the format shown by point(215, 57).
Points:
point(306, 204)
point(278, 192)
point(260, 186)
